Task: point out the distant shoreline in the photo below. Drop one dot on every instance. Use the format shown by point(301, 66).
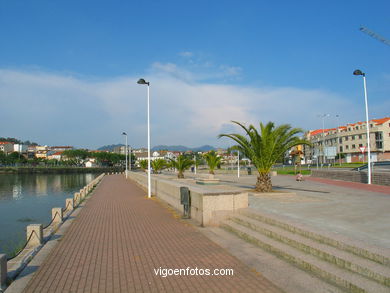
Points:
point(57, 170)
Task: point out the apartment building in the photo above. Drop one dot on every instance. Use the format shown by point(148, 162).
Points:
point(350, 141)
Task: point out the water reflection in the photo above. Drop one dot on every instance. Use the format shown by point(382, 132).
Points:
point(29, 198)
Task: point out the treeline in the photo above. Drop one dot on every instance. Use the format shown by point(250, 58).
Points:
point(75, 158)
point(17, 141)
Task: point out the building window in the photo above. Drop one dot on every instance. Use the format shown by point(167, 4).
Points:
point(360, 145)
point(371, 125)
point(341, 140)
point(341, 149)
point(360, 136)
point(346, 138)
point(379, 140)
point(357, 127)
point(354, 146)
point(353, 137)
point(347, 147)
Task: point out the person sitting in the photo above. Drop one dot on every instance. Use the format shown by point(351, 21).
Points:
point(299, 177)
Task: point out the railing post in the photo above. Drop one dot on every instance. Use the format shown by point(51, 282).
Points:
point(3, 269)
point(69, 204)
point(36, 237)
point(76, 198)
point(56, 215)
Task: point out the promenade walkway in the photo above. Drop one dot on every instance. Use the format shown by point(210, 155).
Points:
point(120, 238)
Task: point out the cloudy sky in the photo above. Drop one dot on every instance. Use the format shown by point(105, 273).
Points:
point(68, 69)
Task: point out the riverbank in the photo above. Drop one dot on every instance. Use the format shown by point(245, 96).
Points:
point(57, 170)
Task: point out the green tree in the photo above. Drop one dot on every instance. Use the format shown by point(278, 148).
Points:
point(76, 156)
point(212, 160)
point(158, 165)
point(266, 147)
point(181, 164)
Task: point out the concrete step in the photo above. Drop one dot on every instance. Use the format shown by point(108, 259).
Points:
point(286, 276)
point(347, 280)
point(343, 259)
point(370, 253)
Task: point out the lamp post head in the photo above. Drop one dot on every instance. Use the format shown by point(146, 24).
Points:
point(358, 72)
point(124, 133)
point(142, 81)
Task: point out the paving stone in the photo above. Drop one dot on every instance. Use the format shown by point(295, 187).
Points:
point(120, 237)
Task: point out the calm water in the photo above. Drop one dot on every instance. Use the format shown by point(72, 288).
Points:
point(28, 199)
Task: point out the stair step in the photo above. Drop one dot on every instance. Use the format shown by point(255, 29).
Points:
point(286, 276)
point(341, 258)
point(370, 253)
point(350, 281)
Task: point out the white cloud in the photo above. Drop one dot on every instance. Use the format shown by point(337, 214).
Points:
point(61, 109)
point(186, 54)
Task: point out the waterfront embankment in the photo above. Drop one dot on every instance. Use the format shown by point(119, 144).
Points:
point(57, 170)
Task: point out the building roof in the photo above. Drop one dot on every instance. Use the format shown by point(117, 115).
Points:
point(376, 121)
point(5, 142)
point(380, 121)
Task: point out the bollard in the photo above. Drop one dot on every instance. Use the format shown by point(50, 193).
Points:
point(3, 270)
point(37, 237)
point(56, 215)
point(76, 198)
point(69, 204)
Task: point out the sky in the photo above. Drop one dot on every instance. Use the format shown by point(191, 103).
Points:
point(69, 69)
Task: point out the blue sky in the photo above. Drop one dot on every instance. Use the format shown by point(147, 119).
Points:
point(68, 69)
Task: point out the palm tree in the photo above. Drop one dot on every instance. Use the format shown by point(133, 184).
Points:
point(212, 160)
point(181, 164)
point(158, 165)
point(266, 147)
point(143, 164)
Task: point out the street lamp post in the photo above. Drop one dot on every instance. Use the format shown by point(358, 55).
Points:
point(238, 164)
point(338, 138)
point(359, 72)
point(195, 163)
point(142, 81)
point(323, 116)
point(125, 134)
point(130, 152)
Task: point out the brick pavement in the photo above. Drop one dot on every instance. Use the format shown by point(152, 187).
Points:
point(120, 237)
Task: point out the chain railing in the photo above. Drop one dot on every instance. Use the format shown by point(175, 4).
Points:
point(94, 183)
point(24, 246)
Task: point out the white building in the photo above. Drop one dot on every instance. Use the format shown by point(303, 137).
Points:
point(20, 148)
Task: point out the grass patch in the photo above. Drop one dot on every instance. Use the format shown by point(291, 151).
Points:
point(291, 172)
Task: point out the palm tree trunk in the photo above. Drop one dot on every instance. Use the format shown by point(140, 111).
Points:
point(264, 183)
point(180, 174)
point(211, 172)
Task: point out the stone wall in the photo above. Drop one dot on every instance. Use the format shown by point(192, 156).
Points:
point(380, 178)
point(207, 208)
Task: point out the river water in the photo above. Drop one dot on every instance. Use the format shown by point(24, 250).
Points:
point(28, 199)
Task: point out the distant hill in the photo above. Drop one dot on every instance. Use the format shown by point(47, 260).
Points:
point(181, 148)
point(110, 147)
point(176, 148)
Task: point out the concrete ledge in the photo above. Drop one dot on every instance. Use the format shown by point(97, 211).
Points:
point(208, 207)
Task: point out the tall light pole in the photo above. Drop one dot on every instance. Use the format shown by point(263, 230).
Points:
point(142, 81)
point(195, 163)
point(323, 116)
point(359, 72)
point(338, 138)
point(238, 164)
point(125, 134)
